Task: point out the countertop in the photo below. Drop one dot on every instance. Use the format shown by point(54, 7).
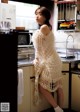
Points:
point(25, 62)
point(29, 62)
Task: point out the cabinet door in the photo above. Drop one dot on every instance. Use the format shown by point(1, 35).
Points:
point(65, 89)
point(43, 105)
point(25, 106)
point(78, 15)
point(76, 92)
point(66, 15)
point(65, 67)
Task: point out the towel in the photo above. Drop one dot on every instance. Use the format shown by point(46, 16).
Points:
point(20, 86)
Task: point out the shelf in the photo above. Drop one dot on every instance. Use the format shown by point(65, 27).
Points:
point(66, 1)
point(63, 20)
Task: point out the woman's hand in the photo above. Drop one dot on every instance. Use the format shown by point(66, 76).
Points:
point(36, 61)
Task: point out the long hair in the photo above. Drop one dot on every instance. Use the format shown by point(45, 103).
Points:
point(46, 13)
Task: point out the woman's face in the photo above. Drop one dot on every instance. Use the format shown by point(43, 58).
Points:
point(39, 17)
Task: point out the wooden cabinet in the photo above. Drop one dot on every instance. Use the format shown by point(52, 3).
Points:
point(65, 89)
point(76, 92)
point(27, 103)
point(65, 67)
point(25, 106)
point(78, 15)
point(67, 11)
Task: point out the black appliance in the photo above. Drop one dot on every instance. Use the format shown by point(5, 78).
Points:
point(8, 76)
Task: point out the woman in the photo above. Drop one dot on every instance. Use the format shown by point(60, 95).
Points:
point(47, 62)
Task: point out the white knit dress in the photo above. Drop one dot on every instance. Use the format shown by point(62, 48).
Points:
point(48, 70)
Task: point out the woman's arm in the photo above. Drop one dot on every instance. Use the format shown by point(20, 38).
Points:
point(45, 29)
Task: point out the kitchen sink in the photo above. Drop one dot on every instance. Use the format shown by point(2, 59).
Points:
point(69, 57)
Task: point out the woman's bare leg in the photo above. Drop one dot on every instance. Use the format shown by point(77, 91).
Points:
point(48, 96)
point(60, 97)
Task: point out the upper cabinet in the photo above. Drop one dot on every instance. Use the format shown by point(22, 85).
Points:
point(78, 15)
point(67, 15)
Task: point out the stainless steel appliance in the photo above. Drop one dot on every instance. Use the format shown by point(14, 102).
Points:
point(25, 46)
point(24, 38)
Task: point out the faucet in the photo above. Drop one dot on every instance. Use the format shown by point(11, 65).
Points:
point(68, 52)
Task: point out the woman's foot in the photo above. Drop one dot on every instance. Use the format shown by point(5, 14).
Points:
point(58, 109)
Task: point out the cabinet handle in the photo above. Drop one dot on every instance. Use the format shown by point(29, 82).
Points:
point(32, 77)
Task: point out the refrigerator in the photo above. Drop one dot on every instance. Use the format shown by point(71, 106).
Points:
point(8, 77)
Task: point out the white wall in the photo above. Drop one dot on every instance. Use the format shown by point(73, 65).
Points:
point(61, 36)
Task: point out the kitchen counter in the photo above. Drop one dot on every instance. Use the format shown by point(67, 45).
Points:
point(29, 62)
point(25, 62)
point(68, 60)
point(62, 54)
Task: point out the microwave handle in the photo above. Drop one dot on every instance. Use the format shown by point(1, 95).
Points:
point(30, 34)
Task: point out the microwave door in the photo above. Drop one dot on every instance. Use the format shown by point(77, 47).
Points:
point(23, 39)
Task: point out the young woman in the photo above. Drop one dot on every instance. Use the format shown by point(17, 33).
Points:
point(47, 63)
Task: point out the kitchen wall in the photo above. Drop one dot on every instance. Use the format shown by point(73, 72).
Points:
point(61, 36)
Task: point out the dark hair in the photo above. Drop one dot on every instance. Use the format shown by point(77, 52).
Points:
point(46, 13)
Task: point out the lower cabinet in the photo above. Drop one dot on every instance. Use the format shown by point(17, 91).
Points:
point(65, 89)
point(65, 67)
point(75, 96)
point(27, 104)
point(76, 92)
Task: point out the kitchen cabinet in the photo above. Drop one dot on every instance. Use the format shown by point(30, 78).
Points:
point(67, 11)
point(65, 67)
point(73, 92)
point(27, 102)
point(76, 92)
point(65, 89)
point(73, 96)
point(78, 15)
point(25, 106)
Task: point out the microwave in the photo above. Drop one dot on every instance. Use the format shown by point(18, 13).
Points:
point(24, 38)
